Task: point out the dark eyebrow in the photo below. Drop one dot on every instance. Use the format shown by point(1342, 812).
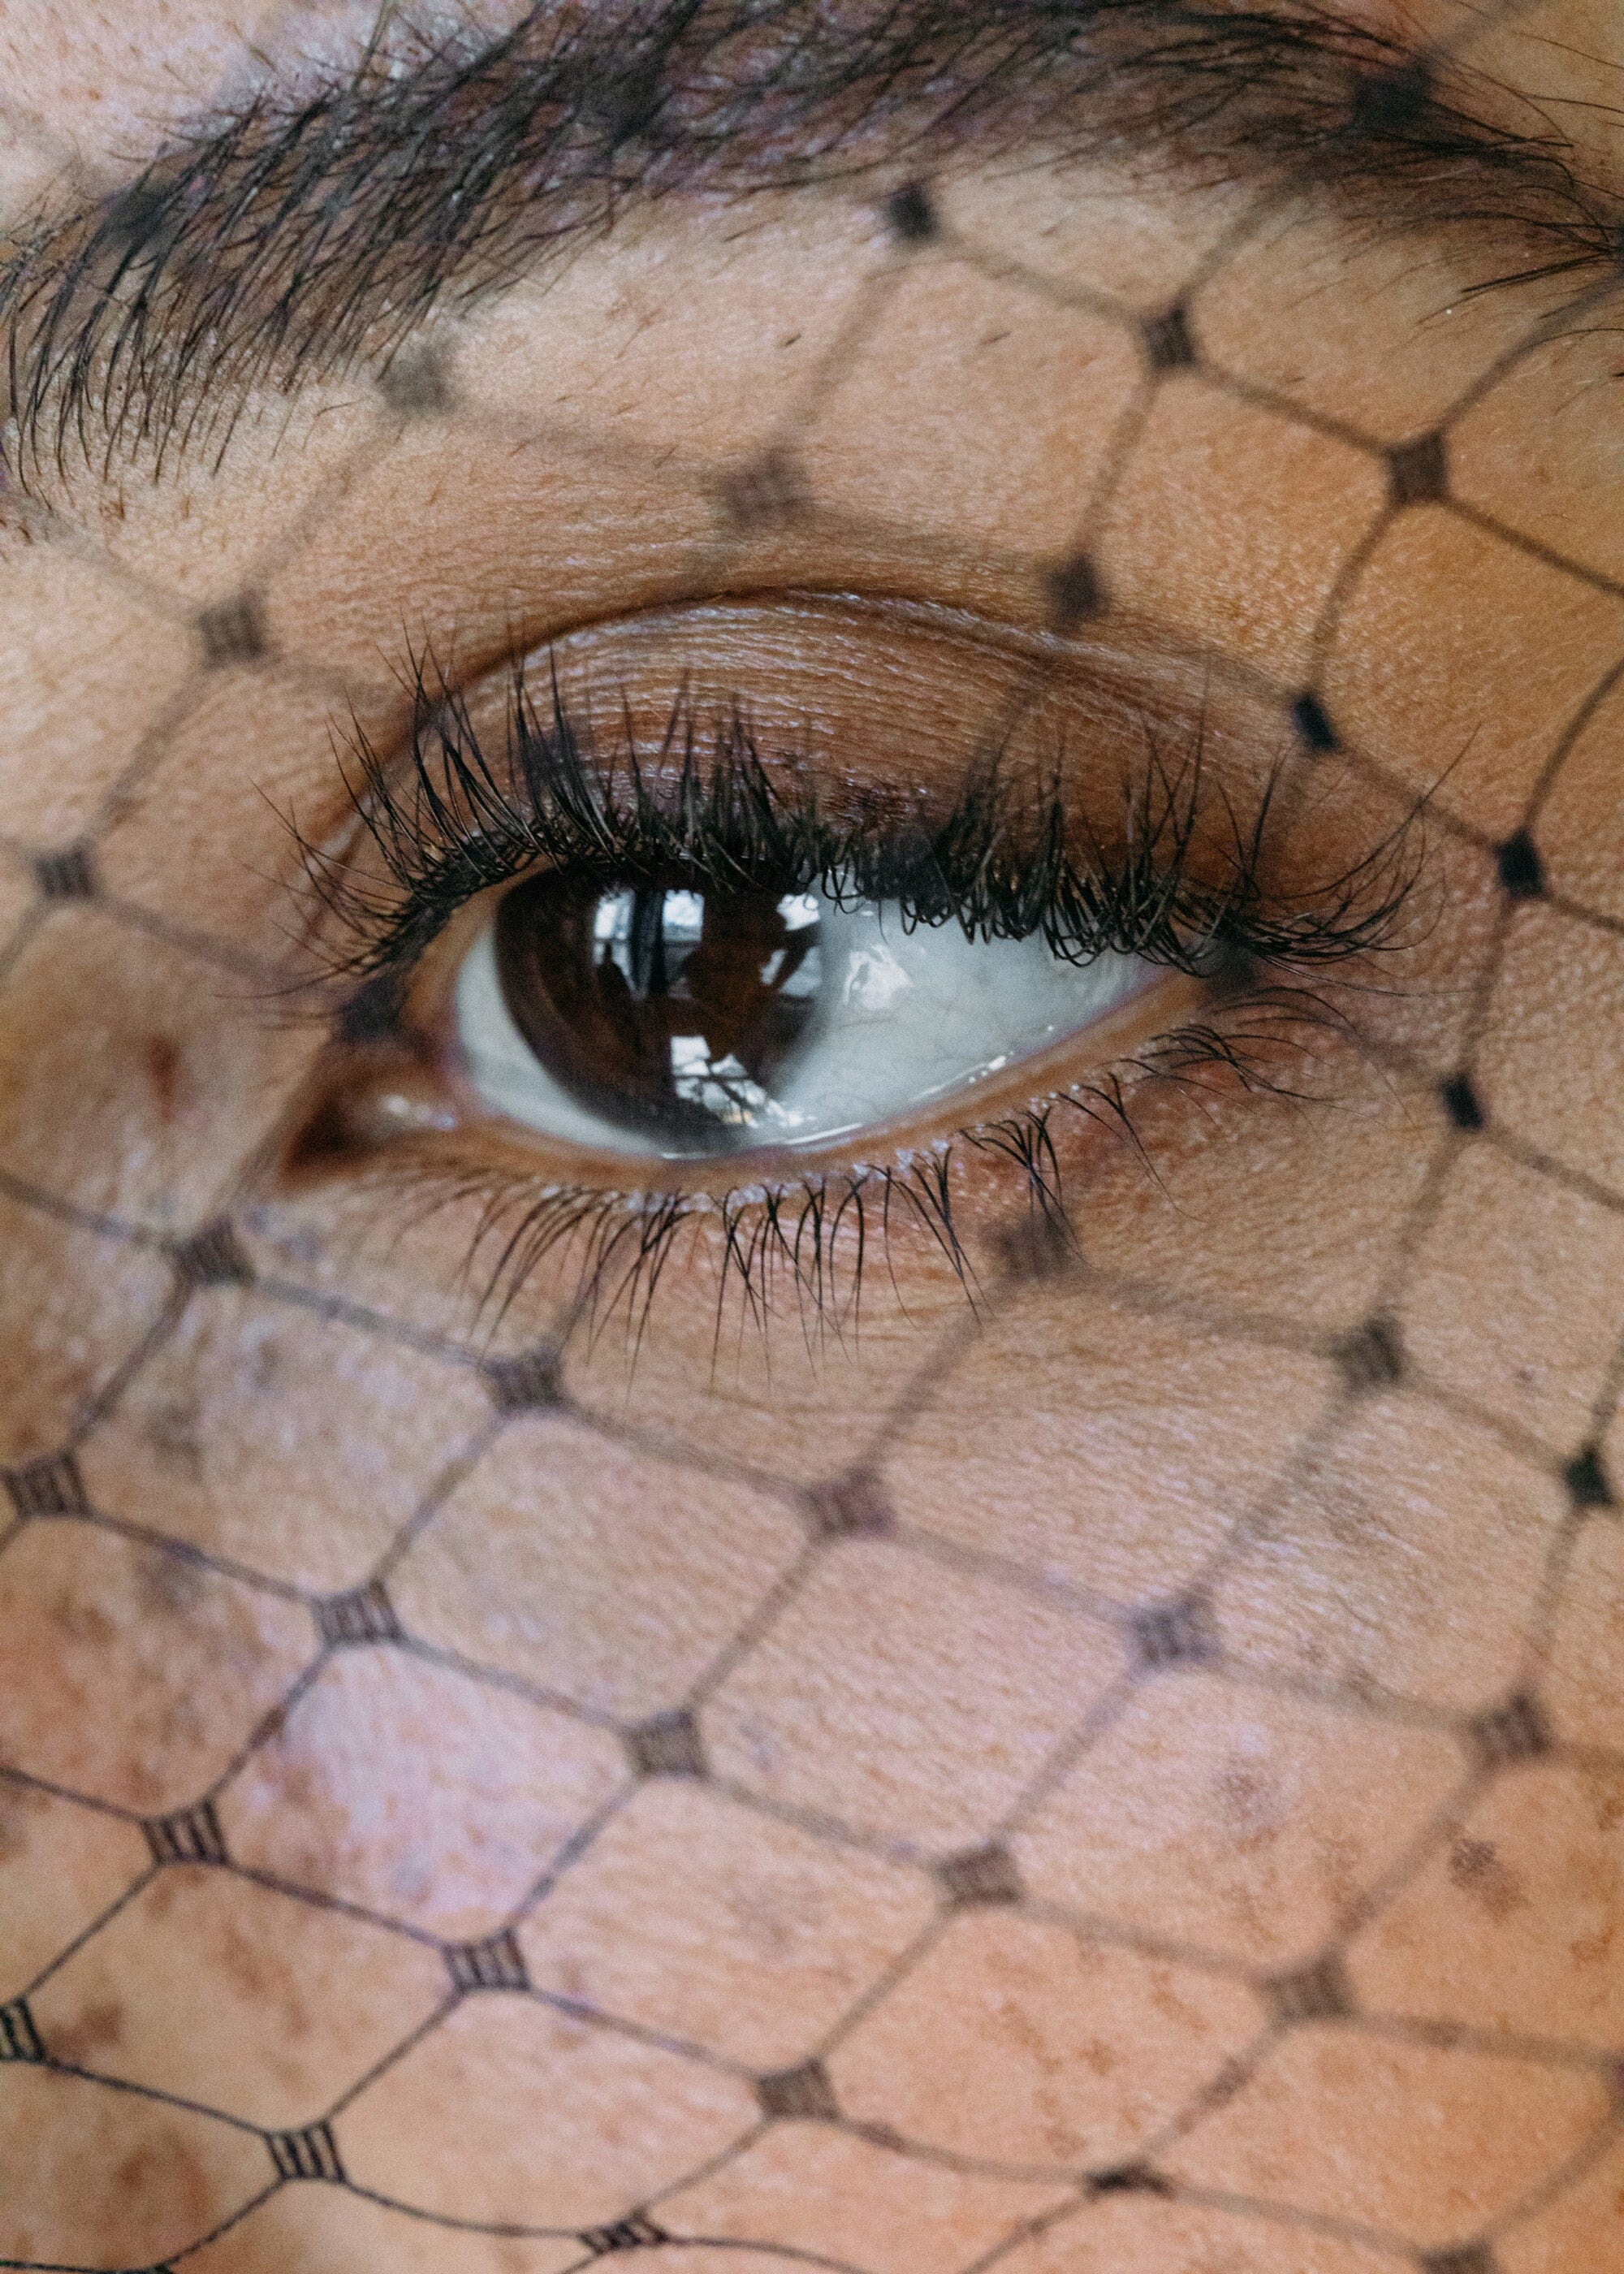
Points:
point(306, 237)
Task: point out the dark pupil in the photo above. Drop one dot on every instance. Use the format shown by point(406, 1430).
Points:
point(670, 1008)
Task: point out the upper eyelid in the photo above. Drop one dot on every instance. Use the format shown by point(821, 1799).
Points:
point(455, 825)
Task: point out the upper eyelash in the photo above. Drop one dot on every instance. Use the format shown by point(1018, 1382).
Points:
point(448, 825)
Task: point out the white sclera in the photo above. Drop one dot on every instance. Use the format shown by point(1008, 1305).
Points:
point(906, 1018)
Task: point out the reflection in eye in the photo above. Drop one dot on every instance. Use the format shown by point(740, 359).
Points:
point(664, 1020)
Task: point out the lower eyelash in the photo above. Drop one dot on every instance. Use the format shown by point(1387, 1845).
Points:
point(804, 1247)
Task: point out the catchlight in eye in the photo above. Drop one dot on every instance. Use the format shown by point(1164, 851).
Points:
point(674, 1019)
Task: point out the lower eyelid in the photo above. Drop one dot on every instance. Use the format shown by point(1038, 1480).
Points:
point(393, 1104)
point(934, 1208)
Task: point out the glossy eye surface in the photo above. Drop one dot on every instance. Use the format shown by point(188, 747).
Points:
point(673, 1020)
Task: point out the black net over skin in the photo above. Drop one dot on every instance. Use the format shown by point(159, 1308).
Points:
point(1160, 1642)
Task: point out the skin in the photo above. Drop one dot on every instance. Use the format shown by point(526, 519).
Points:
point(1167, 1717)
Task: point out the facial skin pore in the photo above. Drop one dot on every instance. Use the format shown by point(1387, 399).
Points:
point(1101, 1746)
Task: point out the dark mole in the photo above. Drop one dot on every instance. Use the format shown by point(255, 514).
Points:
point(162, 1056)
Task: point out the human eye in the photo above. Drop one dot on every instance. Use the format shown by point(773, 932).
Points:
point(675, 1018)
point(738, 967)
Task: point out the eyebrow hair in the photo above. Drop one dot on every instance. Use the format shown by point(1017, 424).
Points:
point(306, 236)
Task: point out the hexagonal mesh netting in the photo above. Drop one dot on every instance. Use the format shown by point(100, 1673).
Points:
point(468, 1799)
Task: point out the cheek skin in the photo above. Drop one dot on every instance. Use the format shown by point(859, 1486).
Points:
point(1161, 1712)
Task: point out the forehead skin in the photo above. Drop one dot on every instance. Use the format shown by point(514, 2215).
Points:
point(1127, 1774)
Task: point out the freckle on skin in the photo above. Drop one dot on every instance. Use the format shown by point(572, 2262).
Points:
point(301, 1785)
point(572, 1978)
point(164, 2170)
point(100, 2026)
point(15, 1808)
point(133, 2170)
point(1250, 1806)
point(172, 1431)
point(1476, 1868)
point(268, 1365)
point(242, 1964)
point(81, 1622)
point(169, 1585)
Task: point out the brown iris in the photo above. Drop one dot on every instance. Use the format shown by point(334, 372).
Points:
point(666, 1007)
